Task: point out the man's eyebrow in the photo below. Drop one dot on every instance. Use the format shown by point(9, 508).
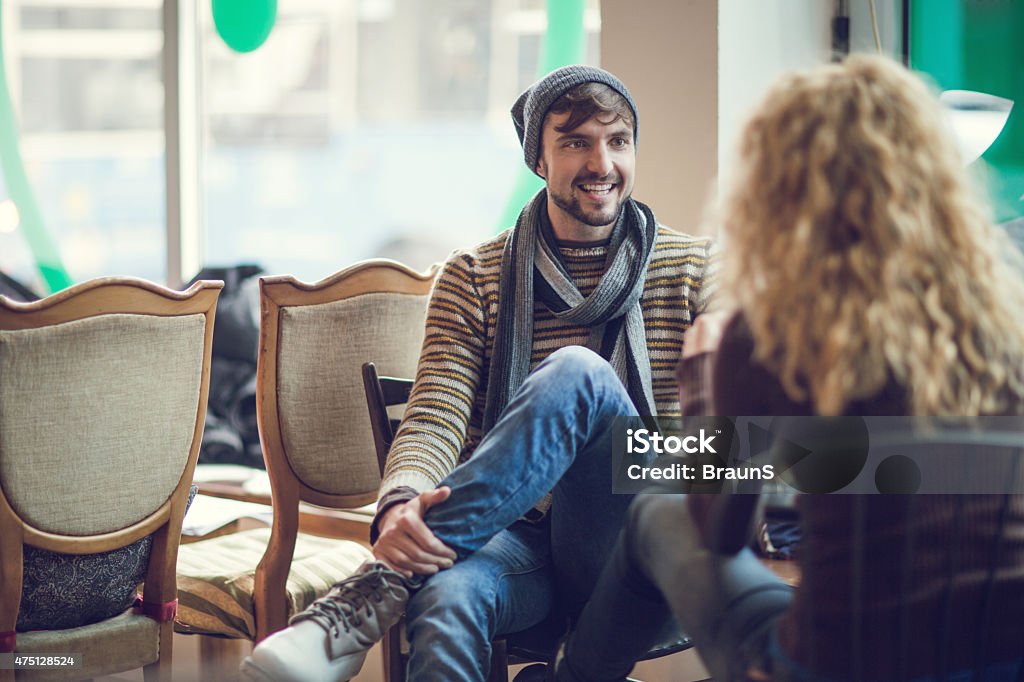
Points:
point(572, 135)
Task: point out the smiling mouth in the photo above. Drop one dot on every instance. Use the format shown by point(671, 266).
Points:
point(597, 189)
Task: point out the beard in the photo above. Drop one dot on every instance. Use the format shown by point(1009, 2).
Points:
point(594, 218)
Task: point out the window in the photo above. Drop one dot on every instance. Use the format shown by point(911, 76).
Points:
point(361, 128)
point(371, 128)
point(85, 83)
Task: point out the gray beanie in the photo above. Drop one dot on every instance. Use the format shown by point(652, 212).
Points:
point(532, 106)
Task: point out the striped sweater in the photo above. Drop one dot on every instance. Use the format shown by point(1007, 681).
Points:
point(442, 423)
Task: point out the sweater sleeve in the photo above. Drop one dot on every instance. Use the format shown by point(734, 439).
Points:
point(701, 298)
point(433, 430)
point(694, 376)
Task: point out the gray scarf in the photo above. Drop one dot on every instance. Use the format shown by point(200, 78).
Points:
point(532, 269)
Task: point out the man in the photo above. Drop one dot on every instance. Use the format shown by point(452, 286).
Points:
point(497, 495)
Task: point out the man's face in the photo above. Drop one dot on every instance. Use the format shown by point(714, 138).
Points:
point(590, 170)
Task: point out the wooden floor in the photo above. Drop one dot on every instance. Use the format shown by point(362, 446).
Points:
point(222, 658)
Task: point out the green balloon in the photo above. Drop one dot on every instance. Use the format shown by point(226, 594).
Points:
point(244, 25)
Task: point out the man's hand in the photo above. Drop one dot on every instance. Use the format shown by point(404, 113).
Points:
point(704, 334)
point(406, 544)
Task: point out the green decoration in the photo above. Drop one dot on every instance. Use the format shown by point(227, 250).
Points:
point(244, 25)
point(979, 46)
point(40, 243)
point(563, 45)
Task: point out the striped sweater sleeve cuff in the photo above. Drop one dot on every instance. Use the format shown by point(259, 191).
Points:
point(415, 479)
point(398, 495)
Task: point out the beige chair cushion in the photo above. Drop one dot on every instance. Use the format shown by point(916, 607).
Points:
point(85, 400)
point(324, 421)
point(216, 578)
point(124, 642)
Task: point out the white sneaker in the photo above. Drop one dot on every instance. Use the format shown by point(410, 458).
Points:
point(329, 640)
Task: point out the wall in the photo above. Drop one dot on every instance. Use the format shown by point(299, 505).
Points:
point(695, 68)
point(666, 52)
point(757, 41)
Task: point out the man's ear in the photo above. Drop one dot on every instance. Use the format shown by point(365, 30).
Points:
point(540, 168)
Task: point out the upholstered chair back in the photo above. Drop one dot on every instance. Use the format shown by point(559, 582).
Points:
point(97, 411)
point(317, 338)
point(315, 432)
point(103, 391)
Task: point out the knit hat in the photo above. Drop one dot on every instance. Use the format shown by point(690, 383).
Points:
point(532, 106)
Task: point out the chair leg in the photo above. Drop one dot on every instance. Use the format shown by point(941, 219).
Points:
point(220, 657)
point(391, 650)
point(160, 670)
point(499, 662)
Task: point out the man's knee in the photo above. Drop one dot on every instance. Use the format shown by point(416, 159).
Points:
point(576, 363)
point(578, 359)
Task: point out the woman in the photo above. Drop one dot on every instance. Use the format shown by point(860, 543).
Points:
point(867, 279)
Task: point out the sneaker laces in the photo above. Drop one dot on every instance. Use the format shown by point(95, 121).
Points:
point(341, 607)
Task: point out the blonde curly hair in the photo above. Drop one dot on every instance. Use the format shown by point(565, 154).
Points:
point(860, 253)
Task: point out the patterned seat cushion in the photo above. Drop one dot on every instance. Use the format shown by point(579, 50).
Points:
point(61, 591)
point(216, 579)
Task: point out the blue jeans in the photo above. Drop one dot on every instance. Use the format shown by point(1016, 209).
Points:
point(555, 436)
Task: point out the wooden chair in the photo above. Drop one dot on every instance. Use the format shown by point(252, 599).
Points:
point(102, 404)
point(316, 442)
point(530, 646)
